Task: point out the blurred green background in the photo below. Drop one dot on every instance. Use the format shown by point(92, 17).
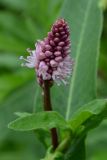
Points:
point(22, 22)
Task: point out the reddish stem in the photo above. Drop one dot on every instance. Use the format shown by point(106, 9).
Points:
point(48, 107)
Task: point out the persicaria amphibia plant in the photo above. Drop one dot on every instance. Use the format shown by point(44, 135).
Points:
point(52, 62)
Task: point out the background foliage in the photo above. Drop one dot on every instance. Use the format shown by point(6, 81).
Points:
point(21, 24)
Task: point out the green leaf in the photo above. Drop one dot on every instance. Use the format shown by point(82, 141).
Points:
point(40, 120)
point(90, 115)
point(85, 119)
point(85, 20)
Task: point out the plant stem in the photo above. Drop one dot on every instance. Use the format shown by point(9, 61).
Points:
point(48, 107)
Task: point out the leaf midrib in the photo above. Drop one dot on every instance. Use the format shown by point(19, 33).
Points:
point(78, 51)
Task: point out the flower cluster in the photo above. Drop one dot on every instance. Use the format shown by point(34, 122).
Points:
point(51, 58)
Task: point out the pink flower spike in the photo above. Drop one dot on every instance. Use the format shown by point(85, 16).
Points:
point(51, 58)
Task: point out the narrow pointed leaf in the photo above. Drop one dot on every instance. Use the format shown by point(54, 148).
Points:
point(85, 20)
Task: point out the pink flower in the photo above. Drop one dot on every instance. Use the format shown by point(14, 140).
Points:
point(51, 58)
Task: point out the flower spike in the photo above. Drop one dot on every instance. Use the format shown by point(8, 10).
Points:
point(51, 58)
